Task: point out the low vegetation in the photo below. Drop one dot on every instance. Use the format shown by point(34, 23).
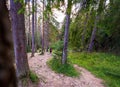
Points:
point(66, 69)
point(103, 65)
point(33, 77)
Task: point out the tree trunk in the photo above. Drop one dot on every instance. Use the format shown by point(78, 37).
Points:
point(7, 69)
point(33, 33)
point(66, 37)
point(43, 31)
point(91, 44)
point(18, 28)
point(29, 31)
point(66, 32)
point(36, 43)
point(47, 36)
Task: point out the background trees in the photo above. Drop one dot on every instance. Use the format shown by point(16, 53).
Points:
point(94, 27)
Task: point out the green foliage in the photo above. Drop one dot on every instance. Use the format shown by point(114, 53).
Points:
point(103, 65)
point(57, 46)
point(22, 9)
point(53, 33)
point(28, 48)
point(77, 27)
point(33, 77)
point(66, 69)
point(110, 29)
point(57, 49)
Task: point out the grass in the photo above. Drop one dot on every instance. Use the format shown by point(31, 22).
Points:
point(103, 65)
point(33, 77)
point(66, 69)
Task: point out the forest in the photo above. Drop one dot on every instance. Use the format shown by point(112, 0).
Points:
point(59, 43)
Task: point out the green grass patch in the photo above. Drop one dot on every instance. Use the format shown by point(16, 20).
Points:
point(33, 77)
point(103, 65)
point(66, 69)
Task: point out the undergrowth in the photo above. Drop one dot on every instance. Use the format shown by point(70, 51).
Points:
point(103, 65)
point(66, 69)
point(33, 77)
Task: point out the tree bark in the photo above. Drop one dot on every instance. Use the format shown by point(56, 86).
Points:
point(29, 31)
point(91, 44)
point(33, 31)
point(47, 36)
point(66, 37)
point(7, 69)
point(43, 32)
point(36, 43)
point(18, 28)
point(66, 32)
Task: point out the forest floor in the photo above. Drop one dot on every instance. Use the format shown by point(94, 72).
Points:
point(49, 78)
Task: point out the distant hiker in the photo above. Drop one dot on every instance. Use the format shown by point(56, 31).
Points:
point(50, 50)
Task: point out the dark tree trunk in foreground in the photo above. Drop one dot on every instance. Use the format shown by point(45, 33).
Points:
point(18, 28)
point(7, 69)
point(91, 44)
point(33, 31)
point(66, 33)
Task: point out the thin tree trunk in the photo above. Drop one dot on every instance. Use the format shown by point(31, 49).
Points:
point(18, 28)
point(29, 31)
point(33, 32)
point(91, 44)
point(66, 36)
point(66, 32)
point(36, 44)
point(7, 69)
point(43, 31)
point(47, 36)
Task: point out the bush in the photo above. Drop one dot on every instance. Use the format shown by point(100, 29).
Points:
point(57, 49)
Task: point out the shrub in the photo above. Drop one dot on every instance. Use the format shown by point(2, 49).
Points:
point(57, 49)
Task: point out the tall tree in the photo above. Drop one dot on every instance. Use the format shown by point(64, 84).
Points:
point(33, 29)
point(29, 31)
point(18, 28)
point(43, 30)
point(7, 69)
point(36, 23)
point(66, 32)
point(93, 34)
point(101, 4)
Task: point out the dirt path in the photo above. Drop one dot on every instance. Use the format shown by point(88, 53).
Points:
point(51, 79)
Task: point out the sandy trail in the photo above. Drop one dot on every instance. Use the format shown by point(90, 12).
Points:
point(51, 79)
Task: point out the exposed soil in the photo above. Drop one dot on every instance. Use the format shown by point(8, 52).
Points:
point(49, 78)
